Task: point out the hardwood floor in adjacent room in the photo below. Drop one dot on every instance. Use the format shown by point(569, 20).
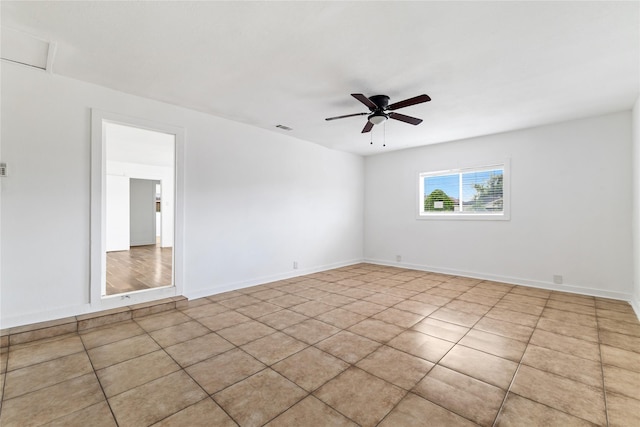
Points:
point(141, 267)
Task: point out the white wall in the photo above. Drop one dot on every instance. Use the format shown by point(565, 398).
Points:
point(255, 201)
point(636, 206)
point(570, 209)
point(118, 212)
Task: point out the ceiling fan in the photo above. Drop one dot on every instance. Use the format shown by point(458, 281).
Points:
point(380, 110)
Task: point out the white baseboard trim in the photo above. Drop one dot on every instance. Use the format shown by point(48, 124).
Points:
point(44, 316)
point(511, 280)
point(218, 289)
point(635, 304)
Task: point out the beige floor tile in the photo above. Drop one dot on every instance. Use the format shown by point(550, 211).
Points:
point(245, 332)
point(238, 302)
point(454, 316)
point(376, 330)
point(414, 411)
point(162, 320)
point(98, 415)
point(621, 358)
point(124, 376)
point(337, 300)
point(47, 404)
point(504, 328)
point(486, 367)
point(625, 342)
point(195, 350)
point(224, 370)
point(311, 412)
point(571, 307)
point(569, 317)
point(565, 344)
point(110, 333)
point(282, 319)
point(461, 394)
point(523, 319)
point(205, 413)
point(395, 366)
point(626, 328)
point(431, 299)
point(622, 381)
point(259, 398)
point(587, 333)
point(24, 355)
point(531, 292)
point(348, 346)
point(341, 318)
point(468, 307)
point(480, 298)
point(384, 299)
point(576, 368)
point(311, 331)
point(416, 307)
point(622, 411)
point(310, 368)
point(617, 305)
point(178, 333)
point(525, 299)
point(223, 320)
point(439, 329)
point(628, 316)
point(421, 345)
point(288, 300)
point(360, 396)
point(572, 298)
point(259, 309)
point(205, 310)
point(518, 412)
point(402, 318)
point(119, 351)
point(312, 308)
point(156, 400)
point(274, 347)
point(267, 294)
point(494, 344)
point(365, 308)
point(572, 397)
point(35, 377)
point(520, 307)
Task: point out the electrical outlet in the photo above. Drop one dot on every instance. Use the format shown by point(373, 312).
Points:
point(295, 265)
point(557, 279)
point(398, 258)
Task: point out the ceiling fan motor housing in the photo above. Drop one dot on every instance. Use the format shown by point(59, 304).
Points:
point(382, 101)
point(379, 116)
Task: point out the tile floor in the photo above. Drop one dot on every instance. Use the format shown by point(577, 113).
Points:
point(362, 345)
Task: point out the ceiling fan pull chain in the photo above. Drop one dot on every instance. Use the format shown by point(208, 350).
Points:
point(384, 134)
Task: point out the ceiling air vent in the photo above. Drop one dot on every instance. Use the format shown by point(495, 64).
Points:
point(283, 127)
point(25, 49)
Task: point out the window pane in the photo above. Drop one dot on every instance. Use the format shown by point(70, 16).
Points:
point(482, 191)
point(442, 193)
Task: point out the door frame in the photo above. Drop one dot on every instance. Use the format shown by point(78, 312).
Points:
point(98, 259)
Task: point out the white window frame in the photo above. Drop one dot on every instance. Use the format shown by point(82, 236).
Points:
point(505, 215)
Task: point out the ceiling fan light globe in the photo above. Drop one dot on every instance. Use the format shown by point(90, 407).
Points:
point(376, 119)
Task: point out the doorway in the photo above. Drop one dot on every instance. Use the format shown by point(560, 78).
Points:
point(136, 254)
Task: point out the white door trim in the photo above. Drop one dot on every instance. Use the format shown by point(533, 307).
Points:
point(98, 212)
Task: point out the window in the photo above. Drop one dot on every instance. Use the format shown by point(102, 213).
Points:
point(470, 193)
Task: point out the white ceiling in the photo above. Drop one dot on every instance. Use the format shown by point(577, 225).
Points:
point(488, 66)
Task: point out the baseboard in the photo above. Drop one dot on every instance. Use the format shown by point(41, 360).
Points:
point(511, 280)
point(635, 304)
point(267, 279)
point(44, 316)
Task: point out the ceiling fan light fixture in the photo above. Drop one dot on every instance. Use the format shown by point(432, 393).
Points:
point(377, 118)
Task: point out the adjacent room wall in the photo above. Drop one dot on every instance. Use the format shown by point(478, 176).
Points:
point(570, 209)
point(636, 206)
point(255, 201)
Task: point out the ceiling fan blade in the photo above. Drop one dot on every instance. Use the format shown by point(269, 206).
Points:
point(411, 101)
point(348, 115)
point(366, 101)
point(367, 127)
point(406, 119)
